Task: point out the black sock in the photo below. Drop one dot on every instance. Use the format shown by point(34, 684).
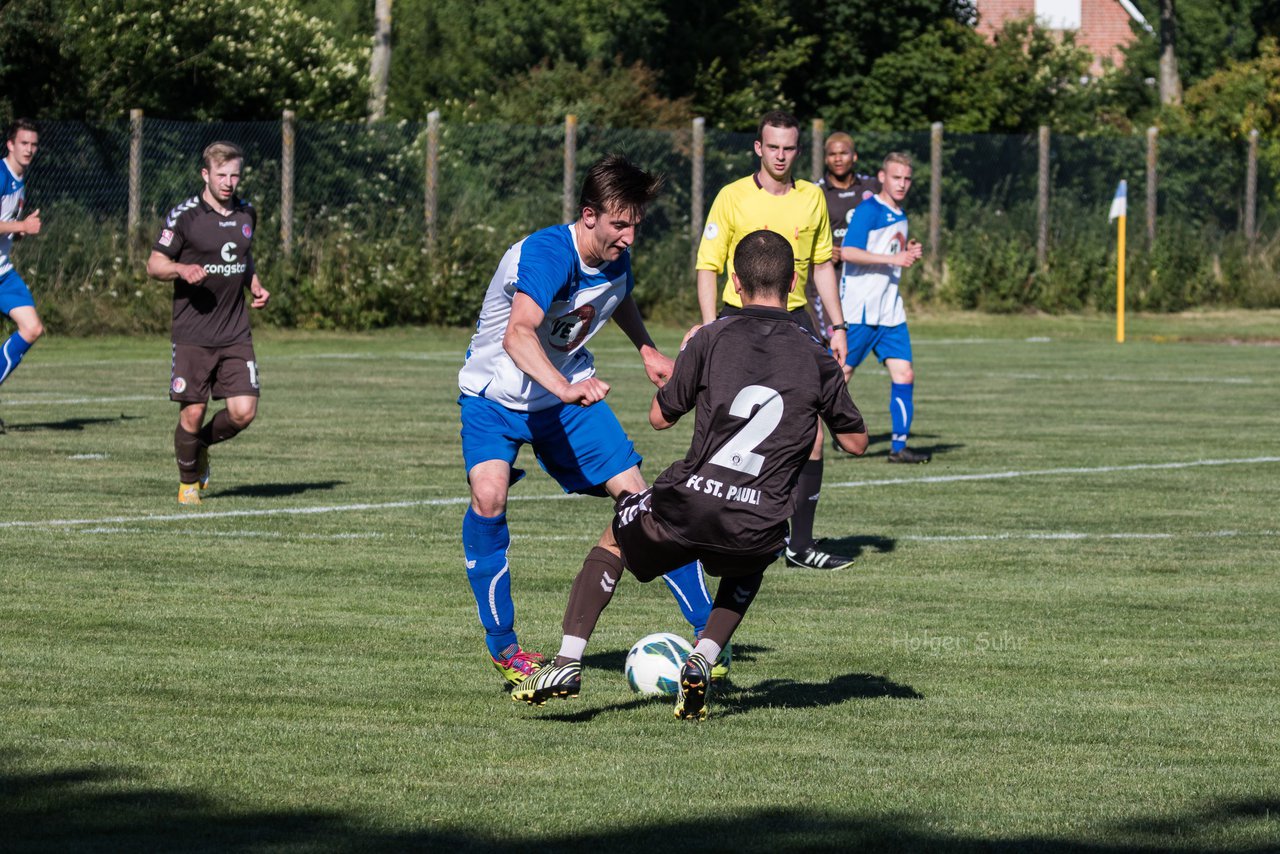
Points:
point(807, 489)
point(733, 597)
point(185, 448)
point(220, 428)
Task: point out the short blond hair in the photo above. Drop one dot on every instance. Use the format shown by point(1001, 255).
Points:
point(896, 157)
point(220, 152)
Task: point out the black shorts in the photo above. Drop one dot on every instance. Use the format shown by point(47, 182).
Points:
point(649, 550)
point(197, 373)
point(799, 316)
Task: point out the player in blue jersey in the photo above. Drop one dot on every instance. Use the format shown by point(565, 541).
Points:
point(875, 252)
point(529, 379)
point(22, 141)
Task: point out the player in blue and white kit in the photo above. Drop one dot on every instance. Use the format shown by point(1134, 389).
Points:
point(875, 251)
point(529, 379)
point(23, 140)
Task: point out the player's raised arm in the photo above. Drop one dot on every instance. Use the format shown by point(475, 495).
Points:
point(525, 349)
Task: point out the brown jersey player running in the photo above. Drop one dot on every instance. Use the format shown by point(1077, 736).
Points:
point(205, 250)
point(759, 384)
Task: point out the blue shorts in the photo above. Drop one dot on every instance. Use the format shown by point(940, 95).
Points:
point(580, 446)
point(14, 292)
point(888, 342)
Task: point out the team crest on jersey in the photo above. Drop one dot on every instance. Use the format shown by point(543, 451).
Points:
point(570, 330)
point(711, 231)
point(166, 237)
point(247, 231)
point(178, 386)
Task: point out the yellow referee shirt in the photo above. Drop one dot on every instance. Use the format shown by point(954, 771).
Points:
point(744, 206)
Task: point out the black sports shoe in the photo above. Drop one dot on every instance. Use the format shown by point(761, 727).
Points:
point(906, 455)
point(695, 682)
point(812, 558)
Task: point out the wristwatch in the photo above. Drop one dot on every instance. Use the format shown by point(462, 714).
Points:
point(833, 327)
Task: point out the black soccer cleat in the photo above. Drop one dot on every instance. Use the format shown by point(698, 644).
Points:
point(906, 455)
point(813, 558)
point(695, 682)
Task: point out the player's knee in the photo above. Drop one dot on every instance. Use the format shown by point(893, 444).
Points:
point(31, 330)
point(242, 419)
point(488, 499)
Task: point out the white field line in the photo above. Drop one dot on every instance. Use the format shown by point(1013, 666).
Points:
point(966, 538)
point(1091, 378)
point(274, 535)
point(80, 401)
point(1004, 475)
point(194, 515)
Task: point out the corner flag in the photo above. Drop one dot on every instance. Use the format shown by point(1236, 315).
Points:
point(1119, 207)
point(1120, 204)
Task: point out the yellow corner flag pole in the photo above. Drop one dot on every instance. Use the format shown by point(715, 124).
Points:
point(1120, 281)
point(1118, 210)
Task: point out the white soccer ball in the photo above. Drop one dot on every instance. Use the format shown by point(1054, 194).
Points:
point(654, 664)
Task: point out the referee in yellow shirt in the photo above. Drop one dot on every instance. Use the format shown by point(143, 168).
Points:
point(773, 199)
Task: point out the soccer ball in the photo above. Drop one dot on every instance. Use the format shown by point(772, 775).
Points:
point(654, 664)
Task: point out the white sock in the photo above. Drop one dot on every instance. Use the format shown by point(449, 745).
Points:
point(709, 649)
point(572, 647)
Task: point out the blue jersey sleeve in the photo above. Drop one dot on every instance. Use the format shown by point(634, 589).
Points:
point(861, 225)
point(545, 267)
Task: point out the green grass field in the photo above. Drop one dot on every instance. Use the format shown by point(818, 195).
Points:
point(1060, 635)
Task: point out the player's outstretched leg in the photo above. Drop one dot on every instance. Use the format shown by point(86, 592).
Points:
point(563, 681)
point(689, 587)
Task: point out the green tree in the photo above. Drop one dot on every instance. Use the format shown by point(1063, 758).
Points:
point(33, 75)
point(207, 59)
point(605, 95)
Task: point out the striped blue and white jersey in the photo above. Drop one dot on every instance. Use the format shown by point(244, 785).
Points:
point(12, 198)
point(869, 292)
point(576, 300)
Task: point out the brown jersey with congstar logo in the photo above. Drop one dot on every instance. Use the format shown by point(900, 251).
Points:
point(211, 313)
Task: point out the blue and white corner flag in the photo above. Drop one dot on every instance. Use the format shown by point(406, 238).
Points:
point(1120, 204)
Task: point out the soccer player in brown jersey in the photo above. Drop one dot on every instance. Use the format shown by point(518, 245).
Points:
point(759, 385)
point(845, 189)
point(205, 250)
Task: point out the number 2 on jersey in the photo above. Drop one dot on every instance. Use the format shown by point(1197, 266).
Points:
point(739, 452)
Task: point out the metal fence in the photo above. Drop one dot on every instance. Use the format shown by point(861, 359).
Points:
point(416, 176)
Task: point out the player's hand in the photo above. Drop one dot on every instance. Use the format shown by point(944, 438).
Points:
point(913, 253)
point(192, 274)
point(31, 225)
point(839, 345)
point(259, 293)
point(657, 366)
point(692, 330)
point(589, 391)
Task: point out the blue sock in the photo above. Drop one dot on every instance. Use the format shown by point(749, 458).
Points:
point(690, 590)
point(484, 542)
point(11, 354)
point(900, 411)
